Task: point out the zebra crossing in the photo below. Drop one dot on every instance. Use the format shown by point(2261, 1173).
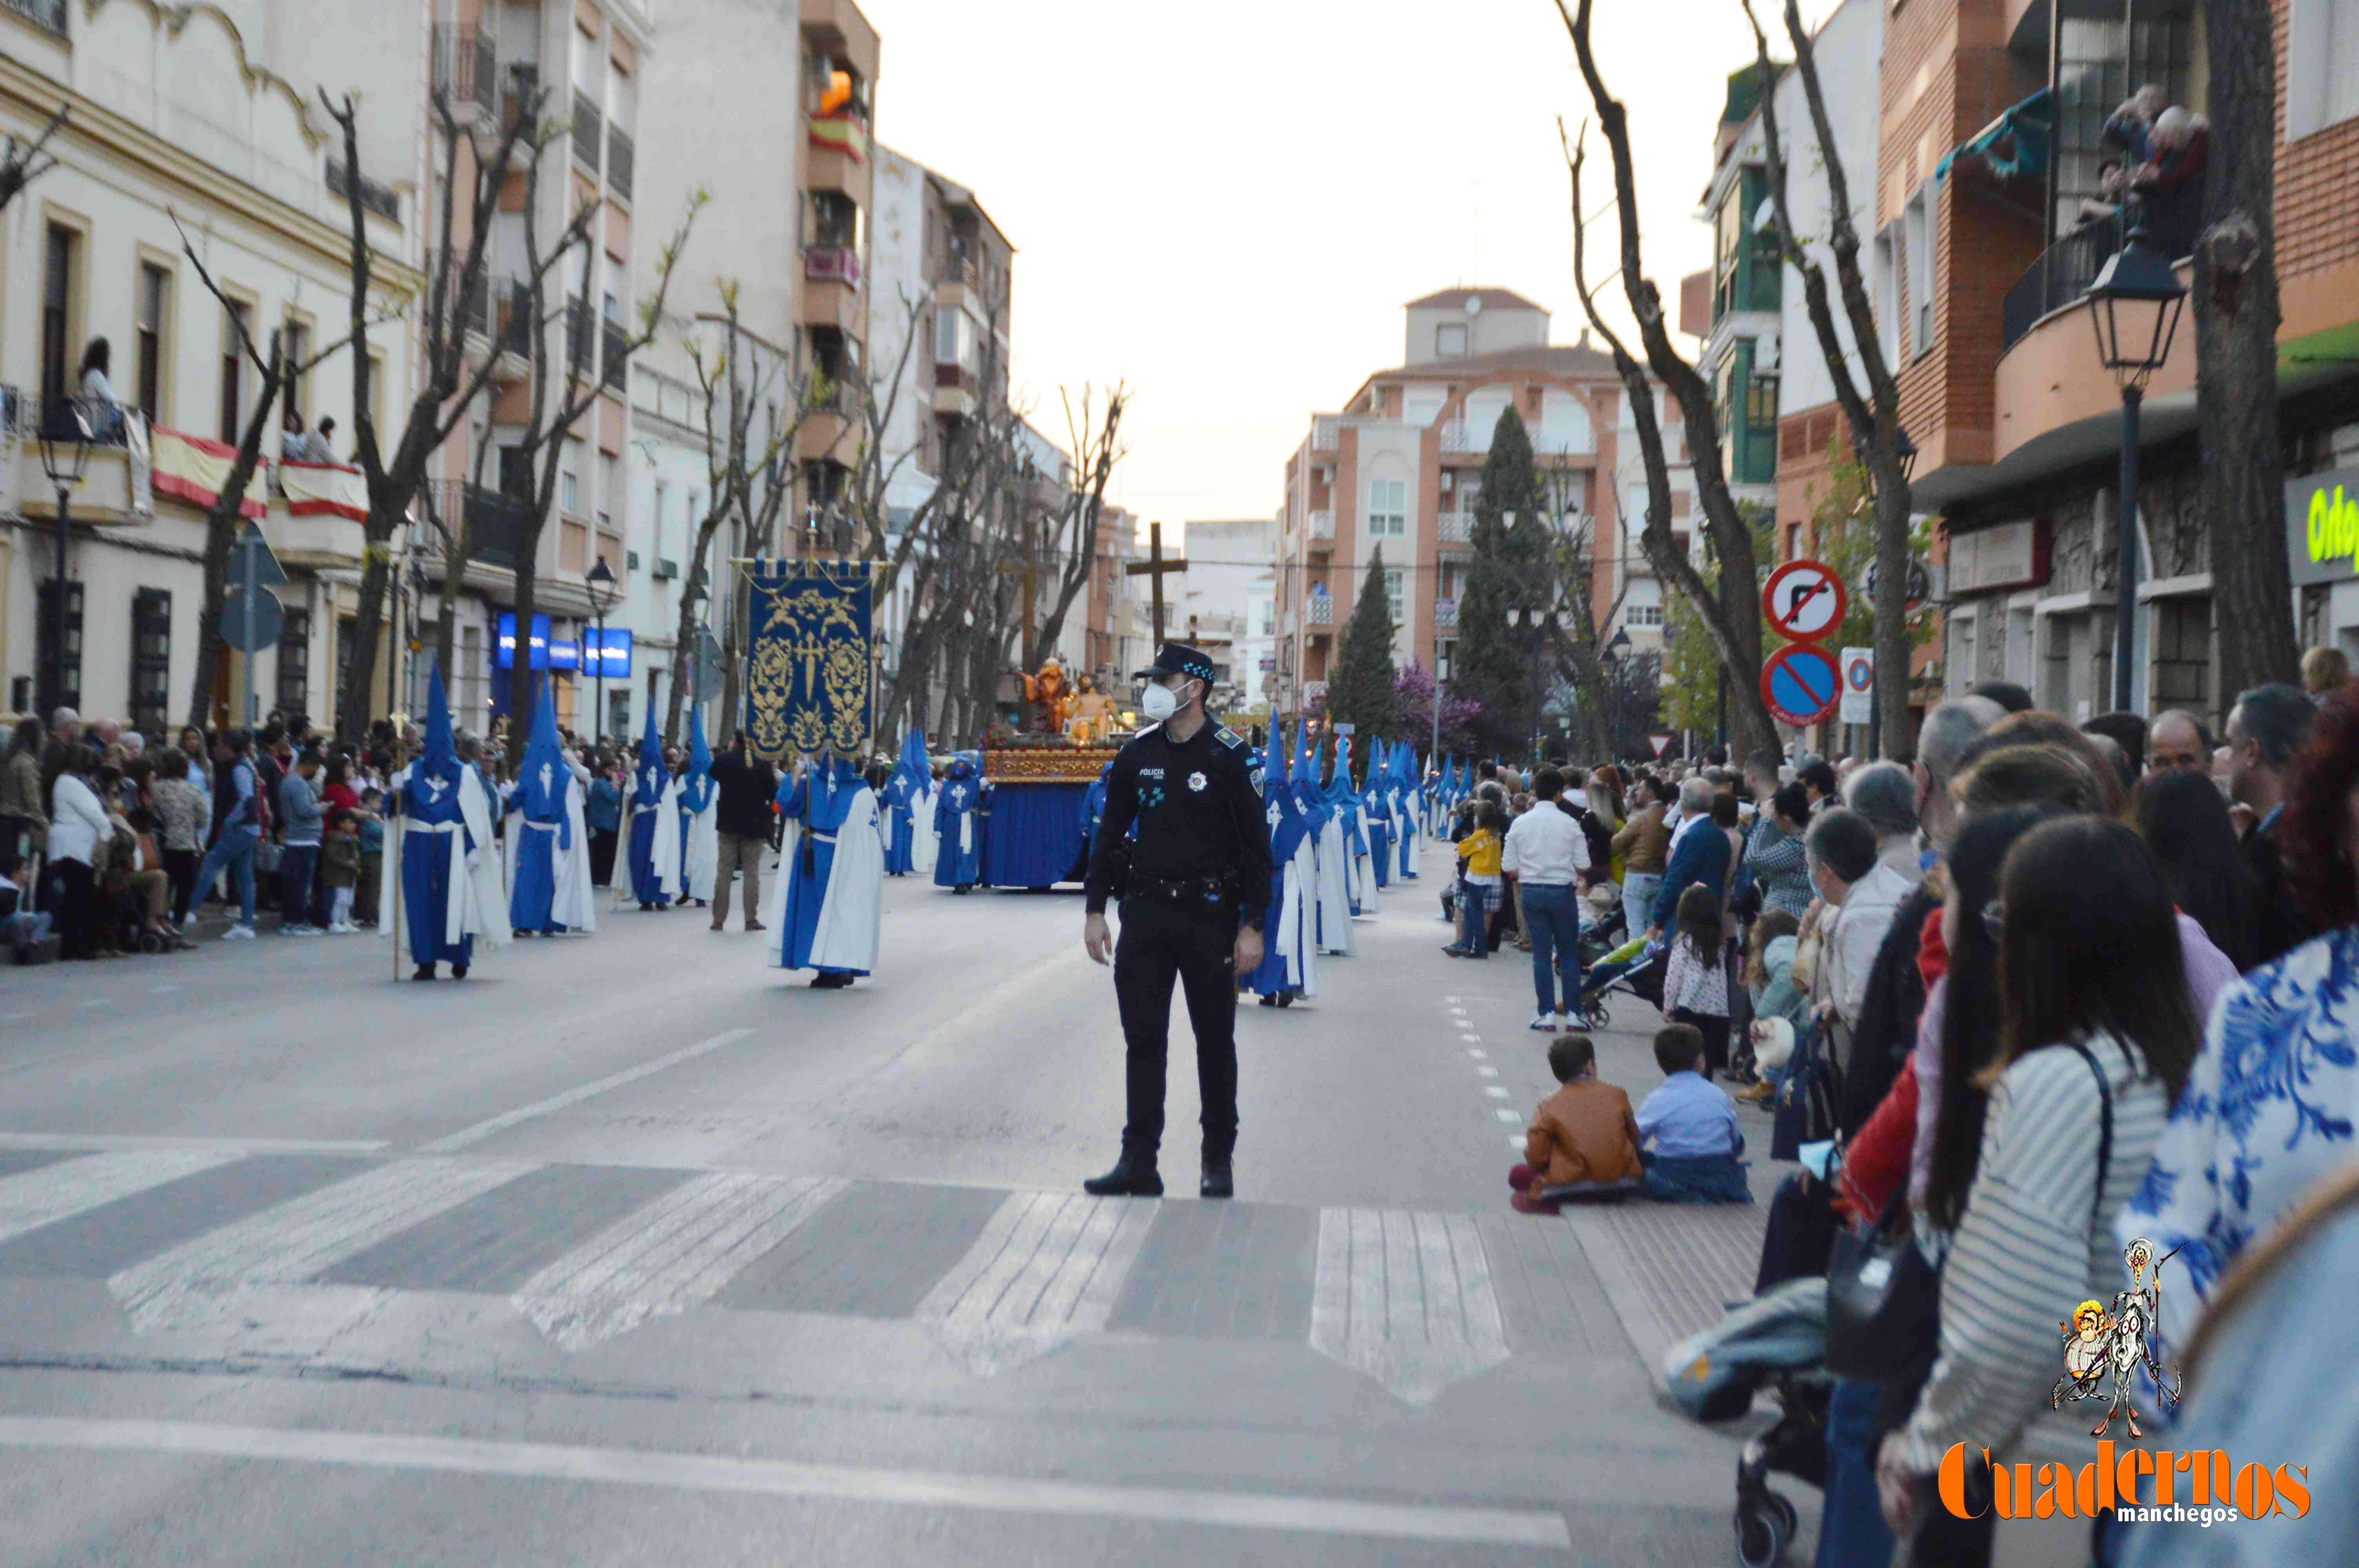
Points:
point(233, 1245)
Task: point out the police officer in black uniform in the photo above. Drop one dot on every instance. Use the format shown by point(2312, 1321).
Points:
point(1197, 882)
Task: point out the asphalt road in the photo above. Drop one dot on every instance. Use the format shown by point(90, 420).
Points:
point(629, 1249)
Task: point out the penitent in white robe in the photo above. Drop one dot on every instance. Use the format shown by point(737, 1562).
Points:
point(701, 859)
point(663, 844)
point(1334, 910)
point(1291, 933)
point(852, 911)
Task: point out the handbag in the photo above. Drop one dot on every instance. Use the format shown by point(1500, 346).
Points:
point(1805, 1109)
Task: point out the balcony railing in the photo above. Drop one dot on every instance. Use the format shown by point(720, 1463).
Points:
point(471, 309)
point(619, 155)
point(375, 196)
point(1322, 609)
point(588, 128)
point(1454, 438)
point(1455, 527)
point(466, 66)
point(832, 263)
point(1326, 435)
point(578, 346)
point(1445, 615)
point(493, 523)
point(49, 14)
point(87, 419)
point(1323, 524)
point(2065, 270)
point(511, 308)
point(616, 352)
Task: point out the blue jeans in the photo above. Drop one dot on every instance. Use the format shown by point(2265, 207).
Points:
point(1851, 1530)
point(1473, 919)
point(1553, 920)
point(1638, 890)
point(296, 864)
point(231, 852)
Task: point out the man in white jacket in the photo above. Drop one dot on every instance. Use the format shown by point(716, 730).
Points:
point(1862, 893)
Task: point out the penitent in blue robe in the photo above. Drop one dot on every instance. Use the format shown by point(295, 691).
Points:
point(900, 825)
point(957, 819)
point(428, 796)
point(821, 801)
point(1287, 830)
point(1380, 834)
point(648, 818)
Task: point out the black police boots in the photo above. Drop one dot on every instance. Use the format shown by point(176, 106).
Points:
point(1133, 1175)
point(1218, 1182)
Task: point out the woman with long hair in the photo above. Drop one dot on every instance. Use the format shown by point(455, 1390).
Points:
point(2275, 1094)
point(2096, 1037)
point(2183, 820)
point(24, 815)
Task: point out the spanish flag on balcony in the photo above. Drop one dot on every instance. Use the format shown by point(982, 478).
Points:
point(194, 469)
point(324, 489)
point(841, 132)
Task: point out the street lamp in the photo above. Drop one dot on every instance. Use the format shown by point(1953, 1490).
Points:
point(1610, 660)
point(65, 454)
point(1542, 620)
point(2134, 308)
point(603, 592)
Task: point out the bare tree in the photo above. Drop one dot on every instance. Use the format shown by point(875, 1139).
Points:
point(1579, 652)
point(1094, 429)
point(1736, 635)
point(222, 519)
point(1873, 413)
point(564, 394)
point(748, 474)
point(24, 162)
point(456, 292)
point(2237, 317)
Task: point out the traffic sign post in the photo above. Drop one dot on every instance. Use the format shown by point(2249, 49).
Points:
point(251, 616)
point(1800, 684)
point(1858, 685)
point(1804, 600)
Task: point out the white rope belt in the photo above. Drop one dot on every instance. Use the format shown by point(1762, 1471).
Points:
point(411, 825)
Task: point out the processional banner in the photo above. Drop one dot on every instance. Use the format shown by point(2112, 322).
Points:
point(811, 676)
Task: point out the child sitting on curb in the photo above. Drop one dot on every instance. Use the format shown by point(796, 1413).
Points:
point(1584, 1142)
point(1688, 1137)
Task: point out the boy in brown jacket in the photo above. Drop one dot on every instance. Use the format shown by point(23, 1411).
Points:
point(1584, 1142)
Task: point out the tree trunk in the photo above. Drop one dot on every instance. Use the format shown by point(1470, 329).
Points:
point(2236, 320)
point(221, 533)
point(521, 692)
point(1893, 646)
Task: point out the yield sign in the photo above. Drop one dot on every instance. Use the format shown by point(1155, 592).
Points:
point(1801, 684)
point(1804, 600)
point(1660, 743)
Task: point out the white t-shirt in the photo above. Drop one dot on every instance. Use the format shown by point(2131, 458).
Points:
point(1545, 846)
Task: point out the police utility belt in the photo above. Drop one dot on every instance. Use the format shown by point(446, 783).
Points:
point(1205, 893)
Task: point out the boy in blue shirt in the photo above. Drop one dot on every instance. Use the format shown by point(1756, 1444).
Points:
point(1688, 1137)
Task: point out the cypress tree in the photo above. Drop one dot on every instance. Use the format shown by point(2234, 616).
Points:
point(1361, 692)
point(1493, 660)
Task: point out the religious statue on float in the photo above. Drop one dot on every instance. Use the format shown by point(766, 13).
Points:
point(1093, 714)
point(1048, 700)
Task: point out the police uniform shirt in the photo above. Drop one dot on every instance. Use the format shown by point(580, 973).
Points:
point(1198, 805)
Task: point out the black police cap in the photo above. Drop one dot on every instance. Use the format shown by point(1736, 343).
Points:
point(1178, 659)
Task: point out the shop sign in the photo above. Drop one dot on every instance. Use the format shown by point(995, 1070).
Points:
point(2322, 526)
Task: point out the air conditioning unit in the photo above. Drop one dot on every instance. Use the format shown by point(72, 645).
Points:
point(630, 560)
point(1449, 482)
point(667, 570)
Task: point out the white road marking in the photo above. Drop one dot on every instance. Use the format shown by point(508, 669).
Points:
point(52, 1193)
point(1488, 1072)
point(1479, 1056)
point(1404, 1297)
point(1474, 1037)
point(1534, 1528)
point(671, 1255)
point(1495, 1091)
point(1451, 999)
point(467, 1137)
point(1516, 1144)
point(1047, 1269)
point(230, 1147)
point(198, 1281)
point(1505, 1115)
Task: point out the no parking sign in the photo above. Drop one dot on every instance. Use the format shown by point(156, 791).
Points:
point(1858, 685)
point(1801, 684)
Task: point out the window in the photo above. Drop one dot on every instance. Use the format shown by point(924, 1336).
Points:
point(295, 662)
point(569, 490)
point(1387, 508)
point(232, 368)
point(1887, 294)
point(1450, 340)
point(1396, 590)
point(1644, 614)
point(2183, 654)
point(67, 690)
point(154, 304)
point(610, 490)
point(1917, 227)
point(59, 271)
point(151, 660)
point(1761, 401)
point(295, 344)
point(655, 520)
point(2321, 65)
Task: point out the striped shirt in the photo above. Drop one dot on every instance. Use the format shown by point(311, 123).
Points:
point(2026, 1253)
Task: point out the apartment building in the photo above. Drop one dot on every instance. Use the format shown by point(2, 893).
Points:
point(1742, 326)
point(2017, 424)
point(210, 113)
point(1399, 467)
point(1227, 605)
point(838, 98)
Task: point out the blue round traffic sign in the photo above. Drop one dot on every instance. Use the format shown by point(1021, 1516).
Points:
point(1801, 684)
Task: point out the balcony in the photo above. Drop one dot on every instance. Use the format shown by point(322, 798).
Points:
point(957, 390)
point(470, 309)
point(1455, 527)
point(493, 523)
point(614, 353)
point(466, 70)
point(578, 346)
point(588, 128)
point(376, 198)
point(1323, 524)
point(1326, 435)
point(832, 263)
point(831, 420)
point(49, 14)
point(619, 155)
point(2062, 275)
point(1455, 439)
point(1445, 615)
point(512, 305)
point(1320, 610)
point(832, 288)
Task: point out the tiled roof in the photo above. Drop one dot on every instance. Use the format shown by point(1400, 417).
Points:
point(1456, 298)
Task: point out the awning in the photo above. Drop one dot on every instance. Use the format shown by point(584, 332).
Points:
point(2014, 144)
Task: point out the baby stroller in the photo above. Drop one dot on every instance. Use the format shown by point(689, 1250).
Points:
point(1633, 970)
point(1601, 933)
point(1776, 1341)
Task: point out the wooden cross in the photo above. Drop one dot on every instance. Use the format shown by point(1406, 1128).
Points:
point(1156, 566)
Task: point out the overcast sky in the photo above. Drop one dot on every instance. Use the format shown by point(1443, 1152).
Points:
point(1225, 204)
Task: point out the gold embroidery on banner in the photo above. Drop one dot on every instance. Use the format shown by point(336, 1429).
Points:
point(809, 682)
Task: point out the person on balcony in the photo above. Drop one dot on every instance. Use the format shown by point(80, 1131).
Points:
point(100, 407)
point(293, 446)
point(319, 445)
point(2112, 182)
point(2173, 182)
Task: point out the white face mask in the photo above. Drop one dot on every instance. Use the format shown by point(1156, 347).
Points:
point(1158, 702)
